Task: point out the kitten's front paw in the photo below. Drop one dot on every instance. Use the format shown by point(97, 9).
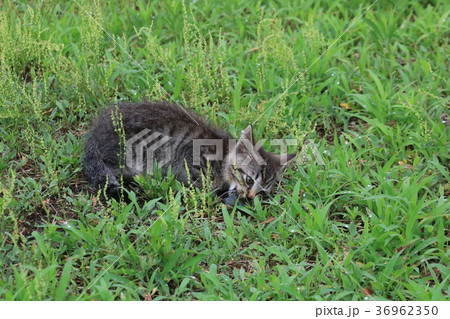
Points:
point(231, 199)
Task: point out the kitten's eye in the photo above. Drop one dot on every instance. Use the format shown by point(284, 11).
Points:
point(249, 181)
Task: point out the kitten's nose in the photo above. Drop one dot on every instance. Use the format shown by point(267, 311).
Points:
point(251, 194)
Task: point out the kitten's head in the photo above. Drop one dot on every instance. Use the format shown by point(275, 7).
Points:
point(250, 170)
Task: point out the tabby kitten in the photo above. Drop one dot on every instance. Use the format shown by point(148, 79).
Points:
point(176, 138)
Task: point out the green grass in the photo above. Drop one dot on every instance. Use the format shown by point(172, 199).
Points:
point(363, 215)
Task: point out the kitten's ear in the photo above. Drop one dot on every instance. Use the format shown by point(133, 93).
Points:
point(245, 142)
point(285, 160)
point(248, 134)
point(290, 158)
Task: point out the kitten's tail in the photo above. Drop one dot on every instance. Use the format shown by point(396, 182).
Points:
point(97, 172)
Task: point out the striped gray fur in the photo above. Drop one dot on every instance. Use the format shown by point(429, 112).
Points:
point(238, 171)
